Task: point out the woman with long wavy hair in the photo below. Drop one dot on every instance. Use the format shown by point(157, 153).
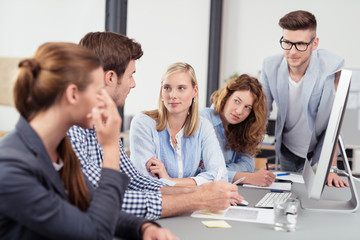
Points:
point(238, 115)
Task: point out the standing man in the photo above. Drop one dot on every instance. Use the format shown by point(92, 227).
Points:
point(145, 197)
point(302, 83)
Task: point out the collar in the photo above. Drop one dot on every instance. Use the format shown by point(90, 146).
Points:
point(215, 118)
point(58, 166)
point(179, 135)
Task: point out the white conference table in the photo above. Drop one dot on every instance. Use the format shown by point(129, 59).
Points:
point(311, 224)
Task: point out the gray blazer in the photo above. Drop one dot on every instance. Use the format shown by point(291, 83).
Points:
point(33, 202)
point(317, 95)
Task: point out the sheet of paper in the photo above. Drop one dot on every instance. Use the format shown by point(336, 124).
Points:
point(216, 224)
point(285, 186)
point(243, 214)
point(296, 178)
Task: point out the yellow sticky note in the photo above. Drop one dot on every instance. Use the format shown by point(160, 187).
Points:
point(216, 224)
point(215, 213)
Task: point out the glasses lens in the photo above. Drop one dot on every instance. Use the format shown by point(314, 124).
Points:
point(301, 46)
point(286, 45)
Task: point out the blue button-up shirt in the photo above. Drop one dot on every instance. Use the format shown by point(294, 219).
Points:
point(201, 157)
point(235, 162)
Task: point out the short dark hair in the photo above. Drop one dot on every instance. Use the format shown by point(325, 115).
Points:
point(298, 20)
point(114, 50)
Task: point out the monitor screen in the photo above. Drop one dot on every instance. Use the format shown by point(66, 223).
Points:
point(316, 181)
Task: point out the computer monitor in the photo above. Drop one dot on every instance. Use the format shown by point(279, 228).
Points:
point(315, 182)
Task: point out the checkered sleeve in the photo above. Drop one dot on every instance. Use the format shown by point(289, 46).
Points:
point(138, 181)
point(143, 199)
point(143, 204)
point(86, 148)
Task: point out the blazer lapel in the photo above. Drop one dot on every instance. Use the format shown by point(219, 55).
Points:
point(36, 146)
point(309, 80)
point(283, 89)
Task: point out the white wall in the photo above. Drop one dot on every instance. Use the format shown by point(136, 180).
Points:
point(26, 24)
point(251, 31)
point(169, 31)
point(178, 30)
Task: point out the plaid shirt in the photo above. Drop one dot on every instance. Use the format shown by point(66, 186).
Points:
point(143, 198)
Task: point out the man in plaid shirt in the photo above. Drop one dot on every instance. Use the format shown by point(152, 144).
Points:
point(145, 197)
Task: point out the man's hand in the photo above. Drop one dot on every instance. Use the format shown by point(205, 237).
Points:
point(338, 181)
point(219, 195)
point(151, 231)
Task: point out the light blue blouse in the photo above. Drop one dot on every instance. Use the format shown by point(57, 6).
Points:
point(146, 142)
point(235, 162)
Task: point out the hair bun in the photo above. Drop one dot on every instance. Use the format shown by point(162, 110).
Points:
point(32, 64)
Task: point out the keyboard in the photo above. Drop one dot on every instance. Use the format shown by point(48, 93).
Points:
point(268, 200)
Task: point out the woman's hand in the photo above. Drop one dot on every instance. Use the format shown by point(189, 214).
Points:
point(157, 168)
point(261, 178)
point(107, 122)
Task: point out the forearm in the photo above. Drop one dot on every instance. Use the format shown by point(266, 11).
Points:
point(111, 156)
point(334, 161)
point(176, 204)
point(184, 181)
point(213, 196)
point(178, 189)
point(248, 177)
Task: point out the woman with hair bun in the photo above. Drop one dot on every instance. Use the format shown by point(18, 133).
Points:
point(43, 193)
point(238, 115)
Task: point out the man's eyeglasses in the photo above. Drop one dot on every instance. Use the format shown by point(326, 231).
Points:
point(300, 46)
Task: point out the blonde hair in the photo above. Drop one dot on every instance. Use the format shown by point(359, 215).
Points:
point(160, 115)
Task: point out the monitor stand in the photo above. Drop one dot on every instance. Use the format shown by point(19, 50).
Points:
point(332, 200)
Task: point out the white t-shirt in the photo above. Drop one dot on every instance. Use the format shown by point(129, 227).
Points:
point(296, 134)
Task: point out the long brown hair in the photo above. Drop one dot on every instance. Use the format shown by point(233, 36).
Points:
point(42, 80)
point(160, 115)
point(244, 137)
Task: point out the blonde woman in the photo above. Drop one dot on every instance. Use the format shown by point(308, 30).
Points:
point(177, 144)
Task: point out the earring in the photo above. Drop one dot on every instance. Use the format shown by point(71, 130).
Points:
point(162, 99)
point(194, 100)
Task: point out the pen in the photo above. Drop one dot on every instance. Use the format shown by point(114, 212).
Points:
point(239, 180)
point(267, 166)
point(276, 190)
point(282, 174)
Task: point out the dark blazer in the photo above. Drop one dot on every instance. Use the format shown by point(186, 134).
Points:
point(33, 203)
